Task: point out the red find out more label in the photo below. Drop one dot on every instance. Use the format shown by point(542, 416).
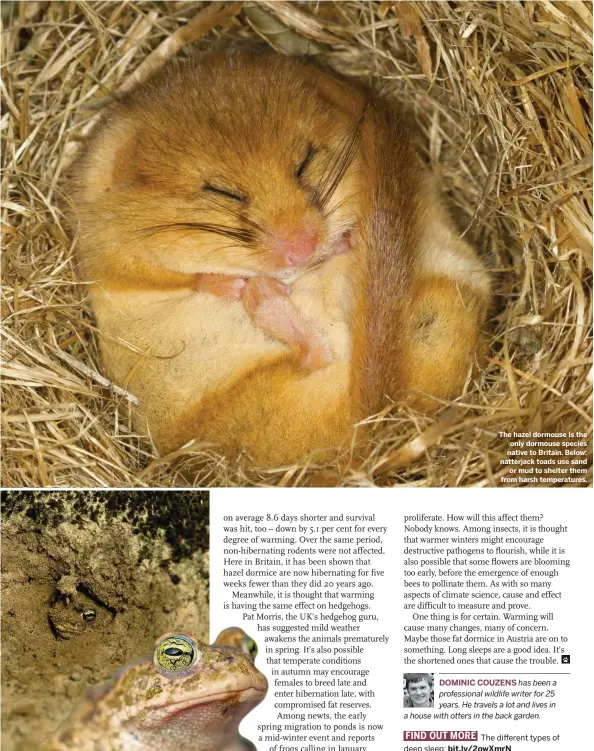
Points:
point(440, 735)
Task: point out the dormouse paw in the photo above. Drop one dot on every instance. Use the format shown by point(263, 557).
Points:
point(261, 289)
point(343, 244)
point(220, 285)
point(268, 305)
point(317, 354)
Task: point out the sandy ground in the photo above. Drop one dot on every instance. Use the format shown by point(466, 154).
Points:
point(90, 580)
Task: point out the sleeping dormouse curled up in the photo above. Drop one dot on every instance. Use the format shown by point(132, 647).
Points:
point(269, 263)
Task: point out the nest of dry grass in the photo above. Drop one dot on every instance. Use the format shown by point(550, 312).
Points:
point(500, 93)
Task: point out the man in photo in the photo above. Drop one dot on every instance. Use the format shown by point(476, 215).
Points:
point(419, 690)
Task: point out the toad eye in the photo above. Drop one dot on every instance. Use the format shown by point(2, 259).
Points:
point(250, 647)
point(175, 653)
point(89, 615)
point(311, 152)
point(235, 195)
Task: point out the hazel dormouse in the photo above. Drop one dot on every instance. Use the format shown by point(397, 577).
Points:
point(269, 263)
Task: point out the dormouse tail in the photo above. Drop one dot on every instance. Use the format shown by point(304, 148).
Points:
point(389, 232)
point(422, 291)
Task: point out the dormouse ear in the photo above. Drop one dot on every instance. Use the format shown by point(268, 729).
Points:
point(114, 160)
point(126, 168)
point(342, 95)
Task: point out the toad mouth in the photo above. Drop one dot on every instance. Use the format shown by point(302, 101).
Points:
point(238, 696)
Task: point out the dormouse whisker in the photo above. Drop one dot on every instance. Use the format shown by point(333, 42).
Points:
point(341, 162)
point(241, 235)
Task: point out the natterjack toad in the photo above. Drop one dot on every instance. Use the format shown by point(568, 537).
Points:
point(186, 697)
point(73, 611)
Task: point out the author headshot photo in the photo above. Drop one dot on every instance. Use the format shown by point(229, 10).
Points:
point(418, 690)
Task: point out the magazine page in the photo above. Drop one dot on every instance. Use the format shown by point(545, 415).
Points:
point(433, 623)
point(294, 293)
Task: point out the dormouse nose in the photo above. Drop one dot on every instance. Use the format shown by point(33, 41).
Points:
point(293, 246)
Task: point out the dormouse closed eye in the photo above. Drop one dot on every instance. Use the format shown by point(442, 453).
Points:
point(227, 192)
point(309, 155)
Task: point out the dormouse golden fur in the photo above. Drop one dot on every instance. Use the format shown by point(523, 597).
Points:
point(269, 263)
